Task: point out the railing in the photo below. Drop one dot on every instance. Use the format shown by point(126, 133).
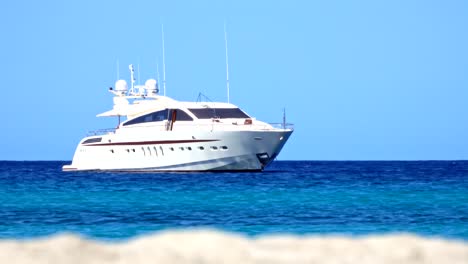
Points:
point(212, 127)
point(101, 132)
point(282, 125)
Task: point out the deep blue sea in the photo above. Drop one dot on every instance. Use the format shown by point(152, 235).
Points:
point(429, 198)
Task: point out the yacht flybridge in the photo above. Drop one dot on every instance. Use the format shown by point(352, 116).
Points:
point(162, 134)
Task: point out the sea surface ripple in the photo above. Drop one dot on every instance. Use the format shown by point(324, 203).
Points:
point(428, 198)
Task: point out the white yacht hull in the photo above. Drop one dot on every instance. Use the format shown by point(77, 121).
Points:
point(156, 150)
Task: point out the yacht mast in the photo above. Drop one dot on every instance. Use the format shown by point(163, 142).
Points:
point(132, 77)
point(157, 70)
point(164, 61)
point(227, 62)
point(284, 118)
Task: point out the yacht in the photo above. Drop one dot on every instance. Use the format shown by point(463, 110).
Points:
point(162, 134)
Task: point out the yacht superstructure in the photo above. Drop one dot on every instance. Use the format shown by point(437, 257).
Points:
point(162, 134)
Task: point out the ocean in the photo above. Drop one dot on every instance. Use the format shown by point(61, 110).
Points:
point(428, 198)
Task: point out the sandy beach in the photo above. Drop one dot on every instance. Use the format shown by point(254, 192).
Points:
point(209, 246)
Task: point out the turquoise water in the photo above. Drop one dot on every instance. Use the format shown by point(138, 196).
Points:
point(300, 197)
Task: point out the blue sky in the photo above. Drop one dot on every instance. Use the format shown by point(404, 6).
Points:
point(361, 80)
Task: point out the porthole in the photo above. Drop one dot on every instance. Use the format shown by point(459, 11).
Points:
point(133, 150)
point(201, 148)
point(189, 148)
point(224, 147)
point(171, 148)
point(181, 148)
point(112, 151)
point(214, 148)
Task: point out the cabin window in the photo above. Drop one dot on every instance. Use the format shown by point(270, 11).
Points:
point(181, 115)
point(214, 148)
point(152, 117)
point(159, 116)
point(208, 113)
point(224, 147)
point(201, 148)
point(92, 140)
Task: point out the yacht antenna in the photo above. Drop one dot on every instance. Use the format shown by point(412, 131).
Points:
point(164, 61)
point(132, 71)
point(118, 78)
point(284, 118)
point(227, 62)
point(157, 71)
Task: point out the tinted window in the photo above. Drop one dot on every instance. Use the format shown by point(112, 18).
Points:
point(182, 116)
point(159, 116)
point(92, 140)
point(207, 113)
point(152, 117)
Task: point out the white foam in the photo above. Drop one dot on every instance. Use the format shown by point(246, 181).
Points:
point(207, 246)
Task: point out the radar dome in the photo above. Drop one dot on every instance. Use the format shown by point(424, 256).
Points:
point(151, 86)
point(121, 86)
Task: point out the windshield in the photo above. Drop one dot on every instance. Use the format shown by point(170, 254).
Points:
point(208, 113)
point(159, 116)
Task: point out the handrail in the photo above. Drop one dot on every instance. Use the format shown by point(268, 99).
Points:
point(282, 125)
point(99, 132)
point(219, 126)
point(212, 127)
